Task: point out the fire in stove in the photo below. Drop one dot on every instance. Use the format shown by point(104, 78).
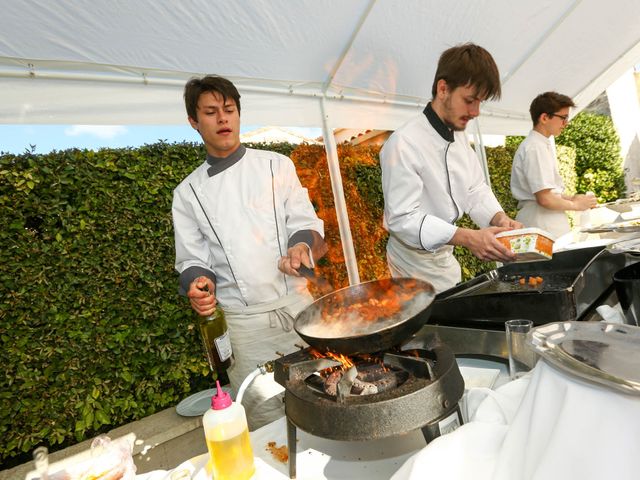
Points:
point(416, 385)
point(367, 374)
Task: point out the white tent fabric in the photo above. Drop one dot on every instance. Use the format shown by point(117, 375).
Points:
point(330, 63)
point(125, 62)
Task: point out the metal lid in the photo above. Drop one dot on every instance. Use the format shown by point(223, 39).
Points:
point(603, 353)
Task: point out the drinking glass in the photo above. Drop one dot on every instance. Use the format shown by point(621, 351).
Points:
point(522, 358)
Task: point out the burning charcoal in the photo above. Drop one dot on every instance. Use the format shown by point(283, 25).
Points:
point(387, 382)
point(363, 388)
point(370, 373)
point(331, 383)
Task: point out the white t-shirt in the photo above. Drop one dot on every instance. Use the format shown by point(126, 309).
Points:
point(252, 210)
point(535, 167)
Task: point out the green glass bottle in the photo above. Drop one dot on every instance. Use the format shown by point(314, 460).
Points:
point(217, 344)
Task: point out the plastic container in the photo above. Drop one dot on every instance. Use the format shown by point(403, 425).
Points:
point(227, 434)
point(529, 244)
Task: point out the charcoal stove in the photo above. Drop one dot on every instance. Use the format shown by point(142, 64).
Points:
point(424, 393)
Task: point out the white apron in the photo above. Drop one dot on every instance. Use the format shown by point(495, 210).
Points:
point(256, 333)
point(440, 268)
point(530, 214)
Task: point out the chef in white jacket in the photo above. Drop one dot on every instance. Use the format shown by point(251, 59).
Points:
point(535, 180)
point(243, 226)
point(431, 177)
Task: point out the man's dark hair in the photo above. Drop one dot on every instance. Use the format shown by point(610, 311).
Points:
point(469, 65)
point(211, 83)
point(549, 103)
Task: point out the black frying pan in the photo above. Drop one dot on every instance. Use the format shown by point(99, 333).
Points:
point(332, 323)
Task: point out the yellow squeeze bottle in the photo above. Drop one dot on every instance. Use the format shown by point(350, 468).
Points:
point(227, 434)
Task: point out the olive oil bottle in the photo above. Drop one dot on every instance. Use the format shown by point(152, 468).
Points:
point(216, 341)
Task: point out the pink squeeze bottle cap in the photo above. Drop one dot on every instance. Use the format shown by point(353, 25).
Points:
point(221, 399)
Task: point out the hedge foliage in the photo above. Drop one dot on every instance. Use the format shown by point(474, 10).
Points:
point(598, 160)
point(92, 331)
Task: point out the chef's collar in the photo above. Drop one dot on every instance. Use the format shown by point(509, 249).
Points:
point(439, 126)
point(221, 164)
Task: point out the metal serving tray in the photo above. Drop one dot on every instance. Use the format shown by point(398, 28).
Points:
point(603, 353)
point(573, 281)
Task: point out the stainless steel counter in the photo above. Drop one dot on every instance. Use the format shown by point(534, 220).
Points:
point(473, 342)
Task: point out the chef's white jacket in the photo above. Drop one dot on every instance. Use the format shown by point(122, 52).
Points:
point(237, 224)
point(535, 167)
point(429, 182)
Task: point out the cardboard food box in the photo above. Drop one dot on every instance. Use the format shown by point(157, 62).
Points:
point(529, 244)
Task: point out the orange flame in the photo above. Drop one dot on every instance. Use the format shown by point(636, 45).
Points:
point(345, 361)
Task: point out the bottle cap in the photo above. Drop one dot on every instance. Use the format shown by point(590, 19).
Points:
point(221, 399)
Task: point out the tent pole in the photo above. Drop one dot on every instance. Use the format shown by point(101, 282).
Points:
point(481, 152)
point(338, 198)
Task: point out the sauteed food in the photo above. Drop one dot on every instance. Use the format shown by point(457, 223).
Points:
point(338, 319)
point(368, 317)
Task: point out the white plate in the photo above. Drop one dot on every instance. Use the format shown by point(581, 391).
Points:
point(198, 403)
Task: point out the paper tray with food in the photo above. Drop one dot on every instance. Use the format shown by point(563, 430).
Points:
point(529, 244)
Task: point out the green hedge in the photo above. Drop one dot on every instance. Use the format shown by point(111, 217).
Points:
point(93, 333)
point(598, 160)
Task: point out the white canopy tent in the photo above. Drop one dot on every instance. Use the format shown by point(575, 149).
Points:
point(329, 63)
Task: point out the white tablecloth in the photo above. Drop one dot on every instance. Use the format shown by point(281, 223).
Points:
point(317, 458)
point(546, 426)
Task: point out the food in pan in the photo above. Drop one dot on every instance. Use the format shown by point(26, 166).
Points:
point(533, 281)
point(348, 318)
point(529, 244)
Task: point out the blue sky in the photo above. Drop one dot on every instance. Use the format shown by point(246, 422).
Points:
point(18, 138)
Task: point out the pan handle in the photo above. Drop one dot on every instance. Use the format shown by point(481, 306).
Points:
point(321, 283)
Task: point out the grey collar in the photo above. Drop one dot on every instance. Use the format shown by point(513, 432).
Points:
point(221, 164)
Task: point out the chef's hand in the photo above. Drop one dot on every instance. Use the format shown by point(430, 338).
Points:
point(501, 219)
point(202, 301)
point(483, 243)
point(584, 202)
point(296, 256)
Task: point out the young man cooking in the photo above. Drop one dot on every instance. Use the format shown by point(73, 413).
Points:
point(431, 176)
point(243, 226)
point(535, 180)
